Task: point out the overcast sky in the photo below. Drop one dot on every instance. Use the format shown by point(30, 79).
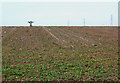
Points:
point(59, 13)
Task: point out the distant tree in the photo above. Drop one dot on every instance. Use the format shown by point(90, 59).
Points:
point(30, 23)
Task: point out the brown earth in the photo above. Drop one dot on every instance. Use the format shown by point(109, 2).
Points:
point(97, 42)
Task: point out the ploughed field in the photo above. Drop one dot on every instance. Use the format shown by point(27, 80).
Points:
point(59, 53)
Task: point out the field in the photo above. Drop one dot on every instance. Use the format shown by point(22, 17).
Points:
point(59, 53)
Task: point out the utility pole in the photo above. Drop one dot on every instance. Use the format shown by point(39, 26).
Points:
point(111, 20)
point(67, 22)
point(84, 21)
point(30, 23)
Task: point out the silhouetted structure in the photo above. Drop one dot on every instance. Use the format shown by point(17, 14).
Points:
point(30, 23)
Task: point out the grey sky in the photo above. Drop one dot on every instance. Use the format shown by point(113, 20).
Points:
point(58, 13)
